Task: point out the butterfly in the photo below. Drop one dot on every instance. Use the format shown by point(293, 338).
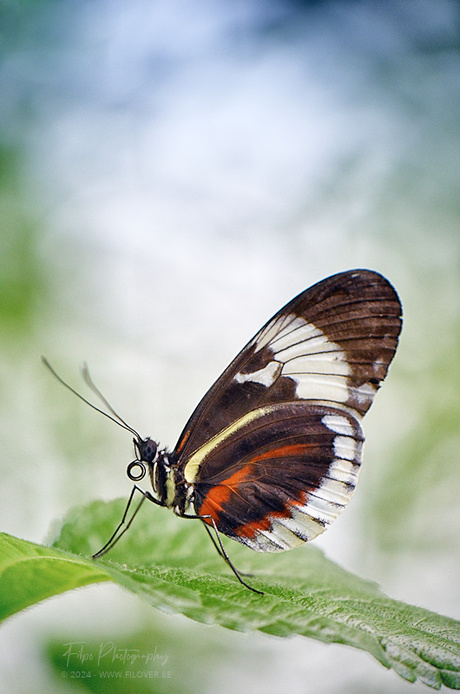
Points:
point(271, 455)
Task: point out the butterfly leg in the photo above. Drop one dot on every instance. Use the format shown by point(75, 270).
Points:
point(218, 550)
point(117, 534)
point(221, 549)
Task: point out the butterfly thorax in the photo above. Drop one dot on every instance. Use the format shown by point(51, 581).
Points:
point(162, 479)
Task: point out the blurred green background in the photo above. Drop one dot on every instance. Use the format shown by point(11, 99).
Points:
point(171, 173)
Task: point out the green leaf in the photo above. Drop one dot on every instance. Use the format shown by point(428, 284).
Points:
point(30, 573)
point(171, 564)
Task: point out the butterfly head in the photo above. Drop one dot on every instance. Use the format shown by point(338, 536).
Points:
point(147, 454)
point(150, 458)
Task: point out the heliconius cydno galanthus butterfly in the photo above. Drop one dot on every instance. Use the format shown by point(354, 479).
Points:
point(271, 455)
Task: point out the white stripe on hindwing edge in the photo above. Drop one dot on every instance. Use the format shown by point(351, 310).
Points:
point(301, 351)
point(323, 505)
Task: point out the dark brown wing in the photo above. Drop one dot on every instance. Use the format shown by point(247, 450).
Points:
point(279, 475)
point(330, 345)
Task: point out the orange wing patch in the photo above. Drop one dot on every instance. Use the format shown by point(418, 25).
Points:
point(217, 496)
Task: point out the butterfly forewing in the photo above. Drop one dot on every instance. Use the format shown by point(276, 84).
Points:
point(332, 343)
point(273, 450)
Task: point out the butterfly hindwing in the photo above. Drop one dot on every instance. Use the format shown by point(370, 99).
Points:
point(278, 476)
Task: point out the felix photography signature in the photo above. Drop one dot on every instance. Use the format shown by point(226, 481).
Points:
point(109, 652)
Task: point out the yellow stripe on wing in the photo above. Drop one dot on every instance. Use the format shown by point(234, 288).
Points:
point(195, 461)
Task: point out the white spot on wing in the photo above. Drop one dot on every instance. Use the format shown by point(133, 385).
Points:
point(308, 525)
point(320, 509)
point(262, 542)
point(311, 387)
point(296, 528)
point(344, 471)
point(334, 492)
point(345, 447)
point(281, 537)
point(338, 424)
point(345, 468)
point(365, 393)
point(267, 376)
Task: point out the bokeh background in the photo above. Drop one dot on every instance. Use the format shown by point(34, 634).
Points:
point(171, 173)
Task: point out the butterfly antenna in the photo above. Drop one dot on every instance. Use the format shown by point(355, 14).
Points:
point(85, 372)
point(90, 383)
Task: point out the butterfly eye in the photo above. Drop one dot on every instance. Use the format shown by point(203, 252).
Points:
point(136, 470)
point(146, 449)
